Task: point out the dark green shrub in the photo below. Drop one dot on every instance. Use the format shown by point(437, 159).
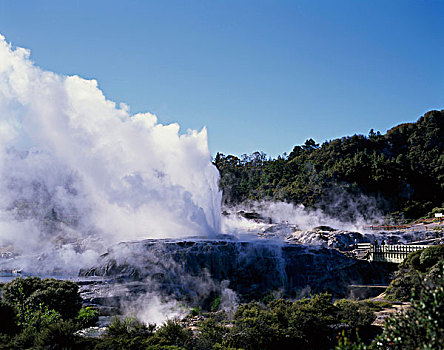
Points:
point(215, 304)
point(268, 299)
point(210, 333)
point(254, 327)
point(194, 311)
point(8, 319)
point(173, 333)
point(25, 339)
point(354, 314)
point(283, 324)
point(129, 327)
point(419, 268)
point(39, 317)
point(87, 317)
point(5, 342)
point(431, 256)
point(412, 261)
point(345, 343)
point(128, 334)
point(58, 335)
point(30, 292)
point(420, 327)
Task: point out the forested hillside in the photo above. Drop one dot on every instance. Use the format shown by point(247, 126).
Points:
point(402, 171)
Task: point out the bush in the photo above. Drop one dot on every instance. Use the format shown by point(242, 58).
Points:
point(87, 317)
point(194, 311)
point(8, 320)
point(215, 304)
point(345, 343)
point(58, 335)
point(421, 326)
point(306, 323)
point(418, 268)
point(30, 292)
point(431, 256)
point(173, 333)
point(5, 342)
point(354, 314)
point(129, 327)
point(210, 333)
point(128, 334)
point(39, 317)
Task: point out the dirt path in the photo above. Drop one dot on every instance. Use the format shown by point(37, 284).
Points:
point(395, 308)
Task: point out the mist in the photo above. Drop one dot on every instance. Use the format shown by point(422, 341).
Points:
point(78, 172)
point(299, 217)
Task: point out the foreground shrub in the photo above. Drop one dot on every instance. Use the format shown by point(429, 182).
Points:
point(210, 333)
point(129, 327)
point(87, 317)
point(420, 327)
point(174, 334)
point(58, 335)
point(306, 324)
point(26, 294)
point(8, 320)
point(419, 268)
point(129, 333)
point(354, 314)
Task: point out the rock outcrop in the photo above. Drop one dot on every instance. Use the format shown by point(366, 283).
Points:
point(196, 270)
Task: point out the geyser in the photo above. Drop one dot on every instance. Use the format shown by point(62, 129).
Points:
point(78, 173)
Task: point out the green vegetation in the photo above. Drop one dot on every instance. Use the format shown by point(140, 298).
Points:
point(420, 269)
point(215, 304)
point(403, 169)
point(28, 295)
point(46, 314)
point(355, 314)
point(308, 323)
point(128, 333)
point(420, 327)
point(42, 314)
point(87, 317)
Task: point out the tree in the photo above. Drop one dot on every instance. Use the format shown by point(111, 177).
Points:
point(32, 292)
point(310, 145)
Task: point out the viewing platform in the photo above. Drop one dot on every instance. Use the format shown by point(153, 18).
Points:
point(389, 253)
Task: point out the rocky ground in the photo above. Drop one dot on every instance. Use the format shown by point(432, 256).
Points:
point(393, 309)
point(275, 258)
point(198, 271)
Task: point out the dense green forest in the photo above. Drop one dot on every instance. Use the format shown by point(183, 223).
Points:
point(402, 172)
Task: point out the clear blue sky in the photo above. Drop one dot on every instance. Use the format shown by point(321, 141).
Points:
point(261, 75)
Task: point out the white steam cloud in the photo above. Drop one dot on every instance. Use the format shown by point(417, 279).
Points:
point(78, 172)
point(151, 308)
point(297, 216)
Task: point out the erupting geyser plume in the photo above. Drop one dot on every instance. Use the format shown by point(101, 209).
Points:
point(78, 172)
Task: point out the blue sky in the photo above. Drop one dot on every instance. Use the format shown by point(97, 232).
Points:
point(261, 75)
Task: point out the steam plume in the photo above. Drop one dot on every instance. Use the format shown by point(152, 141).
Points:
point(78, 172)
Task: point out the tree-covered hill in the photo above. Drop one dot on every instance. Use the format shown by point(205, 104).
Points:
point(402, 171)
